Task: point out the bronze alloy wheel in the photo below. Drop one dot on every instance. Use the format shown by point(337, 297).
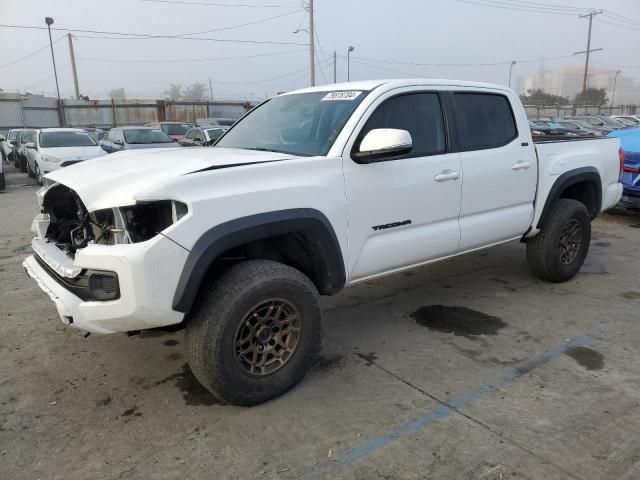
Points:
point(267, 337)
point(570, 242)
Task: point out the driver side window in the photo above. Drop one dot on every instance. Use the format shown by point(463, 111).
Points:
point(418, 113)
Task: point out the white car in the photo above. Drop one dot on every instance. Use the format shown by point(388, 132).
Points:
point(311, 191)
point(55, 148)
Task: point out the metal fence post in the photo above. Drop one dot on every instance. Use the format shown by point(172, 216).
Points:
point(114, 121)
point(161, 110)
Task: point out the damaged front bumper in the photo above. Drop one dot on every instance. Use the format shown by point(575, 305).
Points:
point(146, 276)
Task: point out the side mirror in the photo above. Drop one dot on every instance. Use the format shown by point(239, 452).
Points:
point(117, 141)
point(30, 145)
point(383, 143)
point(12, 142)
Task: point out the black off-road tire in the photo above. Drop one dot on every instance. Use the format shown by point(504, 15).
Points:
point(23, 165)
point(30, 173)
point(16, 160)
point(2, 181)
point(221, 311)
point(544, 251)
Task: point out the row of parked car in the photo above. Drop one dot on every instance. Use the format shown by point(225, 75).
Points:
point(40, 151)
point(583, 125)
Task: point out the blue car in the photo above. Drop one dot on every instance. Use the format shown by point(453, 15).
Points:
point(630, 141)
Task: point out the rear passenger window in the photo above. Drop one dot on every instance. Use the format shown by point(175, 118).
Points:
point(418, 113)
point(486, 120)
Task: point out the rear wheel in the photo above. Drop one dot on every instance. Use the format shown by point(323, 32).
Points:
point(2, 181)
point(558, 252)
point(253, 335)
point(23, 164)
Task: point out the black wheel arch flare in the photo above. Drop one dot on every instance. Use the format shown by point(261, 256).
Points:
point(566, 180)
point(327, 254)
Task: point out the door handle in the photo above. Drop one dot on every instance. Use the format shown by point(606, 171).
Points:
point(446, 175)
point(520, 165)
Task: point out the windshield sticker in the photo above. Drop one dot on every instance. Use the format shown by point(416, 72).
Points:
point(349, 95)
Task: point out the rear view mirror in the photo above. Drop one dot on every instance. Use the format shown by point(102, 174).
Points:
point(383, 143)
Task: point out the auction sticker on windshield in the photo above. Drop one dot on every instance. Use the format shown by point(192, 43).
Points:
point(348, 95)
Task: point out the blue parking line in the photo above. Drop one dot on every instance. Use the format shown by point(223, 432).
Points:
point(374, 444)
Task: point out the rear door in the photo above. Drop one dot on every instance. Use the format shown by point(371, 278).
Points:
point(499, 167)
point(404, 210)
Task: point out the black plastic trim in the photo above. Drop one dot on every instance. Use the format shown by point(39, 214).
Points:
point(314, 225)
point(588, 174)
point(79, 285)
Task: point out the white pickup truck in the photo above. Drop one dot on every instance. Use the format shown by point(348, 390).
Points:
point(311, 191)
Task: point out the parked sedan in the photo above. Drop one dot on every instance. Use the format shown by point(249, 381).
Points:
point(175, 130)
point(630, 179)
point(128, 138)
point(202, 136)
point(584, 131)
point(593, 122)
point(8, 144)
point(54, 148)
point(19, 149)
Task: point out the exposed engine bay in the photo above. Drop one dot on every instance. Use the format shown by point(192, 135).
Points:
point(72, 227)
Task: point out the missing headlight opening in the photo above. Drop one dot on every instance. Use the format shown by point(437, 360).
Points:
point(72, 227)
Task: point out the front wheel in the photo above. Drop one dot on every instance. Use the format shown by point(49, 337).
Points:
point(253, 335)
point(558, 252)
point(38, 174)
point(30, 173)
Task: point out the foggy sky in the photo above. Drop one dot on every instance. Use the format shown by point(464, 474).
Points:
point(430, 31)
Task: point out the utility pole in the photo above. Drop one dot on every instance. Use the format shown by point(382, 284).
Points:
point(349, 50)
point(588, 50)
point(613, 95)
point(73, 66)
point(312, 53)
point(210, 89)
point(335, 77)
point(49, 22)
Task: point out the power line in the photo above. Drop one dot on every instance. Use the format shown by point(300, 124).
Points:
point(230, 27)
point(30, 55)
point(253, 82)
point(518, 7)
point(628, 27)
point(416, 64)
point(142, 36)
point(214, 4)
point(188, 60)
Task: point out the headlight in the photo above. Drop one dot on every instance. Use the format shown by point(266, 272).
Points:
point(145, 220)
point(50, 159)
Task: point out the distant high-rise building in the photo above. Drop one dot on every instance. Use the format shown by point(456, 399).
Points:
point(118, 94)
point(567, 82)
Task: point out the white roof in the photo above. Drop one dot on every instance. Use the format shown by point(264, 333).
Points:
point(61, 129)
point(395, 83)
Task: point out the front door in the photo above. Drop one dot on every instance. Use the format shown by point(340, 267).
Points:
point(403, 211)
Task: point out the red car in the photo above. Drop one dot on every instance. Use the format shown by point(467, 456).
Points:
point(175, 130)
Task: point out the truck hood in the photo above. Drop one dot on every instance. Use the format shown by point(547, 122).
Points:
point(122, 178)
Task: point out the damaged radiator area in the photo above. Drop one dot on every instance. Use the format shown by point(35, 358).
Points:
point(71, 227)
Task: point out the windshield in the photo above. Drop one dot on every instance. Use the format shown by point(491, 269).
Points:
point(215, 133)
point(555, 125)
point(145, 135)
point(300, 124)
point(12, 135)
point(66, 139)
point(175, 129)
point(570, 125)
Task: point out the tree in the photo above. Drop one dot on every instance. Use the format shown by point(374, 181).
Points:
point(592, 96)
point(196, 91)
point(540, 97)
point(174, 92)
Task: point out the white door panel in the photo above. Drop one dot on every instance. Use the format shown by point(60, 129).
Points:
point(500, 182)
point(398, 191)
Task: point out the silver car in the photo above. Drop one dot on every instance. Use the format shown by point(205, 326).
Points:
point(131, 138)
